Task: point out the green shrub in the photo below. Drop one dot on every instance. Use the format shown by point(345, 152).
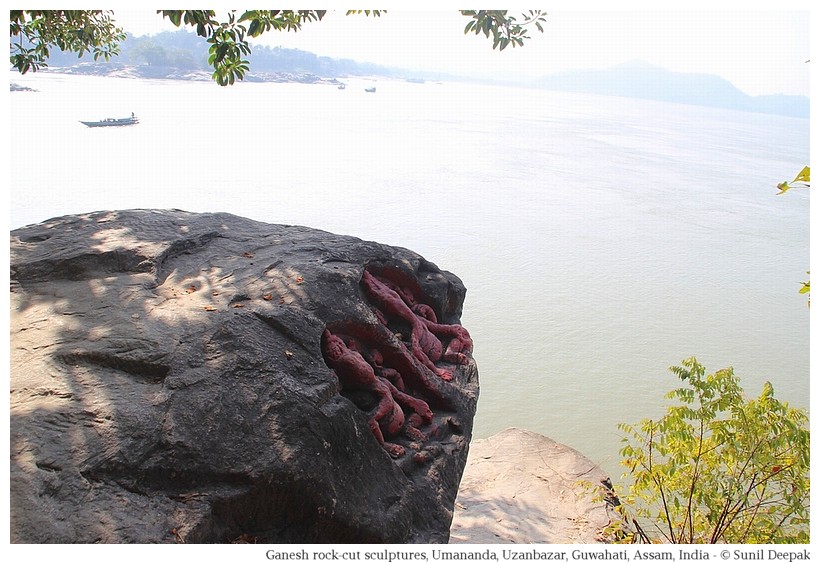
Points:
point(716, 467)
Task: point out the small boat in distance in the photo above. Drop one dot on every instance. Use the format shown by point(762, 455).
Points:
point(111, 122)
point(371, 89)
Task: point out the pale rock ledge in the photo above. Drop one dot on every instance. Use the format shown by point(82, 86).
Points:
point(521, 487)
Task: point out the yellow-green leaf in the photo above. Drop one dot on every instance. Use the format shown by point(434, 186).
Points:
point(803, 176)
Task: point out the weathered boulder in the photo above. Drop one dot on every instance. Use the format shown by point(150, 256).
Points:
point(168, 384)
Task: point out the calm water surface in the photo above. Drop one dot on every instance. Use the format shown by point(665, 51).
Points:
point(601, 239)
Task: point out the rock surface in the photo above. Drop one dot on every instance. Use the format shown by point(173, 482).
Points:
point(520, 487)
point(168, 385)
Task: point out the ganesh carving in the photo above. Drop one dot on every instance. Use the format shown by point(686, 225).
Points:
point(397, 365)
point(425, 332)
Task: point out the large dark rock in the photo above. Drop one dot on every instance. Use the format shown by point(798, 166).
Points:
point(168, 385)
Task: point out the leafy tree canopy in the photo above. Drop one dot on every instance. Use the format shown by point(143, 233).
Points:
point(35, 32)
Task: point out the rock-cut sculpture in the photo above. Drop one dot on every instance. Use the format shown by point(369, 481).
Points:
point(424, 342)
point(361, 367)
point(388, 418)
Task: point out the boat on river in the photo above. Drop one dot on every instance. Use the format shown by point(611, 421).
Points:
point(371, 89)
point(112, 122)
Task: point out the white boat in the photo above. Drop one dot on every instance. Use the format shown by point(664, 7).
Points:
point(112, 122)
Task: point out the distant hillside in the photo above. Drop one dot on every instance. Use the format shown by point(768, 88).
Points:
point(641, 80)
point(184, 54)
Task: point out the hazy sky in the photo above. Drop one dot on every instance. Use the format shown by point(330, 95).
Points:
point(759, 51)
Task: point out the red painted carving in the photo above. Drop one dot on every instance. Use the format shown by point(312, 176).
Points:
point(388, 418)
point(424, 344)
point(391, 374)
point(375, 358)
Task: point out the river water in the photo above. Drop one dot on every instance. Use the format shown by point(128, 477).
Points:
point(601, 239)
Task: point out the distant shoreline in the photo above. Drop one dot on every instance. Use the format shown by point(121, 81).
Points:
point(643, 83)
point(117, 70)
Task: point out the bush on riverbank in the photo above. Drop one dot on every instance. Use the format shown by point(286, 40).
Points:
point(716, 467)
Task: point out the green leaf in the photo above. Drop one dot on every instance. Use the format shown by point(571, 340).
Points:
point(803, 175)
